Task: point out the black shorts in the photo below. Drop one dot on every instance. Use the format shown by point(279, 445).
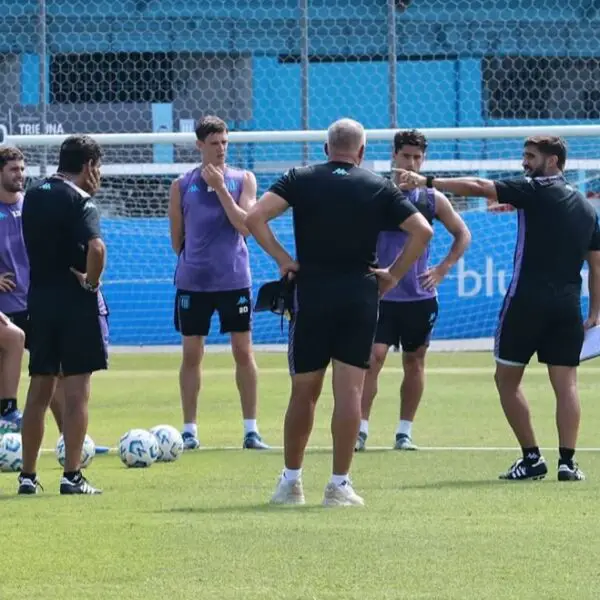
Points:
point(68, 333)
point(406, 324)
point(21, 320)
point(194, 310)
point(323, 329)
point(550, 326)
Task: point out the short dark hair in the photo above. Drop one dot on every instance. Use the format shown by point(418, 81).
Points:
point(410, 137)
point(76, 151)
point(210, 124)
point(8, 154)
point(550, 145)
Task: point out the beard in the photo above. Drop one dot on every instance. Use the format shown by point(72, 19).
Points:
point(12, 188)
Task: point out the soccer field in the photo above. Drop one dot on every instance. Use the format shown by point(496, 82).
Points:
point(437, 523)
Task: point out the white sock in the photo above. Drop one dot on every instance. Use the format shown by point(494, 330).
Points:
point(364, 426)
point(250, 425)
point(404, 428)
point(339, 479)
point(190, 428)
point(292, 474)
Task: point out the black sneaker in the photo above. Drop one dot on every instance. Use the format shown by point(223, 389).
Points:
point(521, 470)
point(29, 486)
point(77, 485)
point(569, 471)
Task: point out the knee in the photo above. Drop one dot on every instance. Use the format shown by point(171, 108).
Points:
point(242, 354)
point(192, 357)
point(306, 394)
point(414, 363)
point(15, 337)
point(377, 361)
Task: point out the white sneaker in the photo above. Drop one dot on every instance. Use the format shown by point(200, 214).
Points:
point(341, 495)
point(288, 492)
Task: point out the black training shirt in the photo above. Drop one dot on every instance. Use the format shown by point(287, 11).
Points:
point(59, 219)
point(338, 211)
point(557, 227)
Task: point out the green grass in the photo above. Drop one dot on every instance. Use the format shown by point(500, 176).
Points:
point(438, 524)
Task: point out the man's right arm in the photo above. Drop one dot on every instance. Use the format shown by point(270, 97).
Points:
point(593, 260)
point(88, 233)
point(175, 217)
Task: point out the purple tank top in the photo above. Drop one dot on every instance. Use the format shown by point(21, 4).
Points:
point(214, 257)
point(390, 243)
point(13, 257)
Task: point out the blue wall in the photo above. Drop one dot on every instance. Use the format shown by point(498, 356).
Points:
point(138, 283)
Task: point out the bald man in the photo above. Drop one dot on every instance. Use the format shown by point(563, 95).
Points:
point(338, 211)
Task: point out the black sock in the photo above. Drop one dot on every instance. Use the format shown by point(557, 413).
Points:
point(7, 405)
point(71, 475)
point(28, 476)
point(566, 455)
point(531, 455)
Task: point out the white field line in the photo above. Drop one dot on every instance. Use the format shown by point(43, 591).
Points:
point(370, 448)
point(227, 371)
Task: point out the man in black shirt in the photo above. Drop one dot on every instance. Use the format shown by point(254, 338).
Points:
point(68, 329)
point(557, 230)
point(338, 211)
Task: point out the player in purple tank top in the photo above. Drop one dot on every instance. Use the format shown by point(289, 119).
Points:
point(207, 208)
point(408, 312)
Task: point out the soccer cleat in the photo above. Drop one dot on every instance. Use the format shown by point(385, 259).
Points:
point(288, 492)
point(253, 441)
point(570, 472)
point(11, 422)
point(190, 441)
point(102, 449)
point(77, 486)
point(403, 442)
point(520, 470)
point(361, 442)
point(28, 486)
point(341, 495)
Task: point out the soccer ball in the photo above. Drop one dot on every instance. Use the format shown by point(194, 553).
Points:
point(138, 448)
point(170, 442)
point(87, 452)
point(11, 452)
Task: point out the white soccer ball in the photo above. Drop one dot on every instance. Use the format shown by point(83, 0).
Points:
point(87, 452)
point(11, 452)
point(170, 442)
point(138, 448)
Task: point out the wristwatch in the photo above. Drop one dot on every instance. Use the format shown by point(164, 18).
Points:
point(429, 181)
point(89, 287)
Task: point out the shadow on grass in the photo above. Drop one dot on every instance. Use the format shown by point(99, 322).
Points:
point(242, 509)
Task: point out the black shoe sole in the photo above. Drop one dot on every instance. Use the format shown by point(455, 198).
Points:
point(27, 491)
point(568, 477)
point(69, 491)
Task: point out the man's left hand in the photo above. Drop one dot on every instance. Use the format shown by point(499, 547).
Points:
point(213, 176)
point(433, 277)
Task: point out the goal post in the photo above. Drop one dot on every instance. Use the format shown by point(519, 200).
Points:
point(133, 201)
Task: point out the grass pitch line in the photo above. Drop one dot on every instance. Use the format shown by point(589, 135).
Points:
point(226, 371)
point(370, 448)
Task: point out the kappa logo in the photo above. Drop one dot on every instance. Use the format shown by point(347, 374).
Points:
point(242, 304)
point(194, 188)
point(340, 172)
point(46, 187)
